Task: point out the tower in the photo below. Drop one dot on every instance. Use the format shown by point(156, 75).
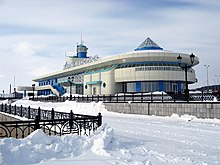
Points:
point(81, 49)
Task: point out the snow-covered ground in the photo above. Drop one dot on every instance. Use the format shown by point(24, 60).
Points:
point(122, 139)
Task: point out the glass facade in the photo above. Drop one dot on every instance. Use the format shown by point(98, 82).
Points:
point(151, 86)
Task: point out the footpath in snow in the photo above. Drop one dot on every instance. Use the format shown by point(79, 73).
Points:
point(122, 139)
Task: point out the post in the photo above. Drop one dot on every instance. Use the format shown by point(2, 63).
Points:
point(52, 114)
point(2, 107)
point(21, 111)
point(141, 97)
point(37, 123)
point(15, 110)
point(99, 119)
point(5, 108)
point(33, 86)
point(10, 109)
point(71, 120)
point(151, 97)
point(39, 113)
point(187, 88)
point(29, 112)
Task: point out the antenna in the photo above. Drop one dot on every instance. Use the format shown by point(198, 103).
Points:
point(81, 37)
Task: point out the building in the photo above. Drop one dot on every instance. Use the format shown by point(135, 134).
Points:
point(148, 68)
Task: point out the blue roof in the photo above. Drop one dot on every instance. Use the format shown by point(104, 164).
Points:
point(148, 44)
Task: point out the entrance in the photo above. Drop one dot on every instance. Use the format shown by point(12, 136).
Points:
point(94, 90)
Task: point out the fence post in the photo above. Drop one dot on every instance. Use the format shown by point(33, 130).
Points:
point(98, 98)
point(39, 113)
point(52, 114)
point(103, 97)
point(29, 112)
point(10, 109)
point(202, 95)
point(92, 97)
point(2, 107)
point(21, 111)
point(132, 96)
point(99, 119)
point(87, 98)
point(141, 97)
point(37, 123)
point(162, 96)
point(15, 110)
point(151, 97)
point(5, 108)
point(117, 98)
point(71, 120)
point(110, 98)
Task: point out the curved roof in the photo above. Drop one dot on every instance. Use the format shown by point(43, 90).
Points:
point(148, 44)
point(136, 56)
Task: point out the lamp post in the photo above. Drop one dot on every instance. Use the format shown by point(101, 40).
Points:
point(186, 67)
point(33, 87)
point(217, 77)
point(15, 93)
point(70, 87)
point(207, 74)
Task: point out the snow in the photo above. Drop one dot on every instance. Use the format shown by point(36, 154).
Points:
point(122, 139)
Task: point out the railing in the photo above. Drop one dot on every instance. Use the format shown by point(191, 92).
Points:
point(132, 97)
point(51, 122)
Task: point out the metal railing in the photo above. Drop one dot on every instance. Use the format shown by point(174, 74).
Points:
point(51, 122)
point(131, 97)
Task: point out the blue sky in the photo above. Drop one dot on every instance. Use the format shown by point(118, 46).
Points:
point(34, 35)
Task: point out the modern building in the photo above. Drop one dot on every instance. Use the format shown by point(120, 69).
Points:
point(148, 68)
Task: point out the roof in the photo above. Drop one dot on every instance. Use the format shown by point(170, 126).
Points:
point(148, 44)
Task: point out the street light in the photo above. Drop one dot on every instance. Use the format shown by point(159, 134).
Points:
point(33, 86)
point(70, 87)
point(186, 67)
point(207, 73)
point(217, 77)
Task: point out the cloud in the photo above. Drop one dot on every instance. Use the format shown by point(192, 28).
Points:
point(35, 34)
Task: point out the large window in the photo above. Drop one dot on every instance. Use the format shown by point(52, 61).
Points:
point(131, 87)
point(149, 86)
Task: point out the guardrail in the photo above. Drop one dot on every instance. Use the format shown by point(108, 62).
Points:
point(132, 97)
point(51, 122)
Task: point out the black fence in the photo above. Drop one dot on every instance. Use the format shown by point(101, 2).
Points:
point(131, 97)
point(51, 122)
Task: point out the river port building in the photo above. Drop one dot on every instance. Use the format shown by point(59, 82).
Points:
point(146, 69)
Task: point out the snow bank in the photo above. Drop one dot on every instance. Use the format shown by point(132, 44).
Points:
point(38, 147)
point(78, 108)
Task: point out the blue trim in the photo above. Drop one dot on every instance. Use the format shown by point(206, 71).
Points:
point(93, 82)
point(161, 86)
point(138, 86)
point(151, 62)
point(179, 87)
point(149, 48)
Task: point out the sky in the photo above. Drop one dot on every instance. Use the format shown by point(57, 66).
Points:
point(34, 35)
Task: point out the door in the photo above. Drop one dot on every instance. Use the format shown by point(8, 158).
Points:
point(94, 90)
